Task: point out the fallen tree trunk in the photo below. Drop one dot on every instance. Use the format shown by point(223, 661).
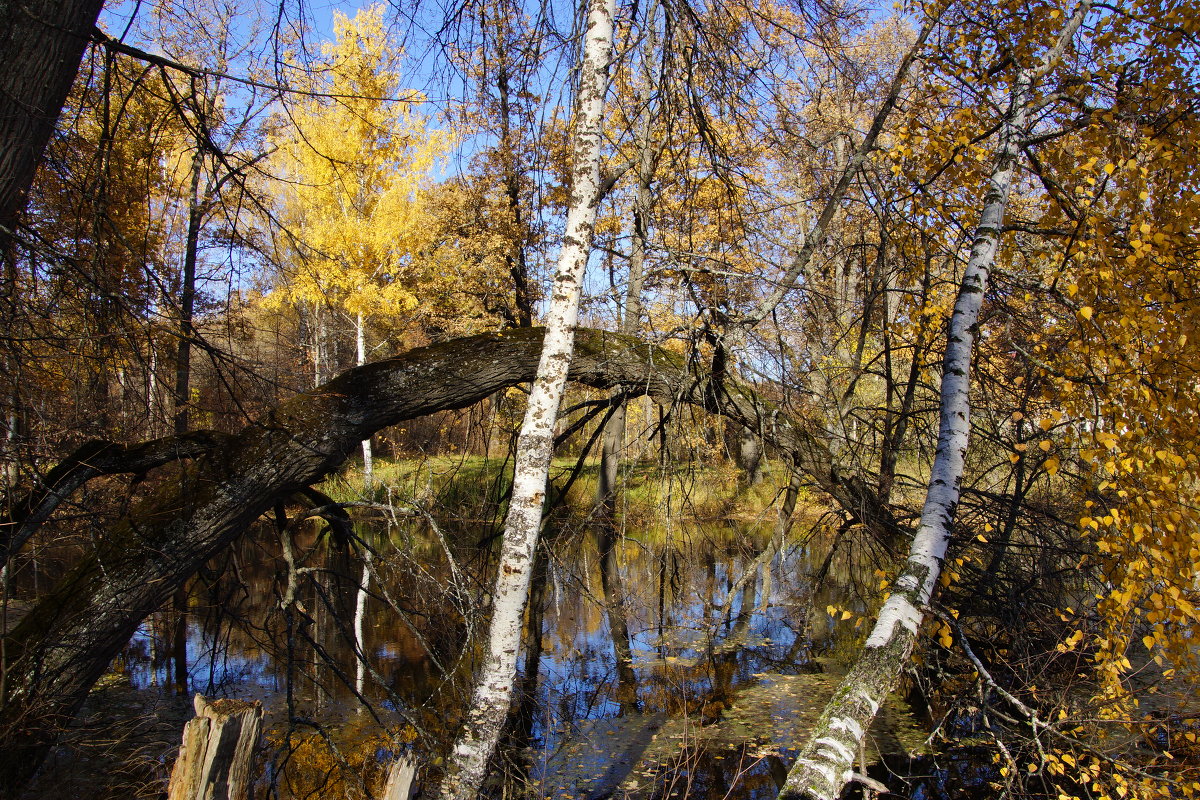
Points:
point(91, 460)
point(59, 650)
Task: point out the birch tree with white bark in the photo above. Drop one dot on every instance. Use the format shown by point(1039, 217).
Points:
point(826, 763)
point(492, 694)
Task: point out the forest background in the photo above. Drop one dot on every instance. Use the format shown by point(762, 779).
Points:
point(234, 209)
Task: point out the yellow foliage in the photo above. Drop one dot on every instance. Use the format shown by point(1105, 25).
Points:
point(357, 160)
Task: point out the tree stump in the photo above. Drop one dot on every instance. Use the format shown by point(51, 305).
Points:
point(401, 779)
point(217, 752)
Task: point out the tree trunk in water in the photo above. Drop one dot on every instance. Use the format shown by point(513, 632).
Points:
point(493, 687)
point(401, 779)
point(524, 718)
point(825, 764)
point(614, 433)
point(217, 754)
point(179, 640)
point(360, 616)
point(613, 587)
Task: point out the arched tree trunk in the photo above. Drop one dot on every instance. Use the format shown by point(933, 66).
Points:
point(65, 643)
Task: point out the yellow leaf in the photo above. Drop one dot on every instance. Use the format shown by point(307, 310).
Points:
point(1086, 312)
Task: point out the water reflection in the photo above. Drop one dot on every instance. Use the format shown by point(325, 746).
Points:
point(655, 666)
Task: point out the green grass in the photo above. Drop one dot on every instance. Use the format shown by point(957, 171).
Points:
point(472, 489)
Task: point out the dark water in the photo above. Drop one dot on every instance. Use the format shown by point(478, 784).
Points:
point(729, 652)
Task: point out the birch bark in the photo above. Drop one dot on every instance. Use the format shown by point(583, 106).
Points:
point(360, 342)
point(493, 687)
point(825, 765)
point(360, 617)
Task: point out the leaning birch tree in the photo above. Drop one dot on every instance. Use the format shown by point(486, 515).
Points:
point(825, 765)
point(493, 684)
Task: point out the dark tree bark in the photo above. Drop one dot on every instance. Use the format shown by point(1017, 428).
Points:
point(67, 641)
point(91, 460)
point(187, 299)
point(41, 43)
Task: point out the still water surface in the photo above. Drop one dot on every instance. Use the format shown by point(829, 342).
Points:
point(729, 651)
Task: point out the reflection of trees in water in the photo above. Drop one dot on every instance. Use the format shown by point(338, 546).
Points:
point(702, 610)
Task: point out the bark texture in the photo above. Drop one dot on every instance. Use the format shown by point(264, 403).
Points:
point(401, 779)
point(217, 756)
point(91, 460)
point(41, 43)
point(494, 682)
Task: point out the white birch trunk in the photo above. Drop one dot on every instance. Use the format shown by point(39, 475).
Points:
point(360, 341)
point(360, 616)
point(825, 764)
point(477, 740)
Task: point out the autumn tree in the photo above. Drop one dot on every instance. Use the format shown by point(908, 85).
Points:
point(498, 48)
point(356, 159)
point(493, 688)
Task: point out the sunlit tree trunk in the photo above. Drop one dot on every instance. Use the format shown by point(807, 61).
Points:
point(320, 343)
point(493, 688)
point(360, 341)
point(360, 617)
point(825, 764)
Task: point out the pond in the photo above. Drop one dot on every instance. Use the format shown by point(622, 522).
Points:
point(700, 683)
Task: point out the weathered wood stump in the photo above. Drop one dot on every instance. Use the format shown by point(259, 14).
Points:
point(401, 779)
point(217, 752)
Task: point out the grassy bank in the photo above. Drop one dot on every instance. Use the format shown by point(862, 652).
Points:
point(475, 488)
